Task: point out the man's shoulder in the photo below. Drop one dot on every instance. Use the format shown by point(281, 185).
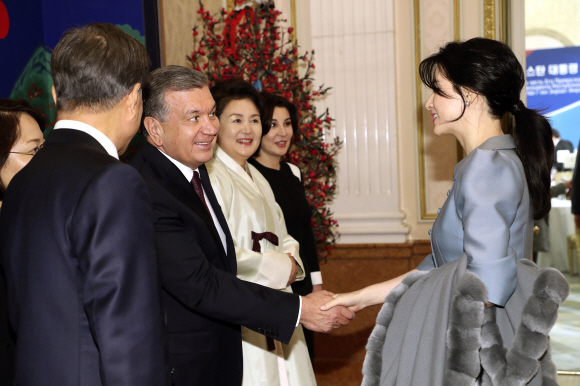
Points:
point(148, 158)
point(118, 171)
point(155, 169)
point(72, 159)
point(66, 166)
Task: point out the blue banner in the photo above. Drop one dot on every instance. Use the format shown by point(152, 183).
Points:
point(30, 29)
point(553, 86)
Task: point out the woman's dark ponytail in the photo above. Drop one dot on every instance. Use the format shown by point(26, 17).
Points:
point(533, 135)
point(490, 68)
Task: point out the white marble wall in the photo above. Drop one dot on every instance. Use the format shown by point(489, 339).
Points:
point(354, 45)
point(440, 154)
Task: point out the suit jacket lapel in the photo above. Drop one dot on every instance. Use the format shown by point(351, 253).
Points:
point(180, 188)
point(220, 216)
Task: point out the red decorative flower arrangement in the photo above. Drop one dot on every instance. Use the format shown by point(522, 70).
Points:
point(248, 43)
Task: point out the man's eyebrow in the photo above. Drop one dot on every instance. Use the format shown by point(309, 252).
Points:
point(196, 110)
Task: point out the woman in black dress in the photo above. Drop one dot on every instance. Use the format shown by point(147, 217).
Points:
point(279, 124)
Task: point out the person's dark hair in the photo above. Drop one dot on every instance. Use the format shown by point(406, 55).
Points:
point(490, 69)
point(272, 101)
point(164, 80)
point(10, 113)
point(555, 133)
point(95, 66)
point(234, 90)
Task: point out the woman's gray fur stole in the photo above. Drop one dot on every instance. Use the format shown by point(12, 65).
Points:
point(475, 348)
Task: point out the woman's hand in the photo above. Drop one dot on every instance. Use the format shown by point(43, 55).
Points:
point(368, 296)
point(352, 300)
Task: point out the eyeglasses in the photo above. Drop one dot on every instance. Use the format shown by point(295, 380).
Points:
point(31, 152)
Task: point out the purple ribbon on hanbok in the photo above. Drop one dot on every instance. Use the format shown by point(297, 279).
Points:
point(257, 237)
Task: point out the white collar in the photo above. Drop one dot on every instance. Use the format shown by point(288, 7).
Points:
point(90, 130)
point(244, 173)
point(186, 170)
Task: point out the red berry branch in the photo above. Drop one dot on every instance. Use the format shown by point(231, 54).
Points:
point(250, 44)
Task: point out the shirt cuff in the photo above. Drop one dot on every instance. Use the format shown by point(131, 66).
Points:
point(316, 278)
point(299, 311)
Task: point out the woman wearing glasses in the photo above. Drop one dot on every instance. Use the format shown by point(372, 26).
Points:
point(20, 138)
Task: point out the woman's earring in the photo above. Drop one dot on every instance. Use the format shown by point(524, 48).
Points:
point(466, 103)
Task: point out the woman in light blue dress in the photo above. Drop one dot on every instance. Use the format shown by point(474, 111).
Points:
point(483, 229)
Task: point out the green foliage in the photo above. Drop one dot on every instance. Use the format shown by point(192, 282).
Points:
point(35, 84)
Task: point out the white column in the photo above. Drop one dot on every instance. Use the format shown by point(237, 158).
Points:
point(354, 45)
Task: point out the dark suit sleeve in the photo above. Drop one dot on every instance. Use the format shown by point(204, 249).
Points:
point(112, 236)
point(6, 337)
point(189, 277)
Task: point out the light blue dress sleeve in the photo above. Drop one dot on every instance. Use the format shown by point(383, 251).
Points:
point(490, 189)
point(427, 264)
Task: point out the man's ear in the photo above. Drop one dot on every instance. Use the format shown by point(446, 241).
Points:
point(155, 131)
point(134, 100)
point(53, 91)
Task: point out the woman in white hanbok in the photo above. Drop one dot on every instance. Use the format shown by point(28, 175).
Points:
point(265, 253)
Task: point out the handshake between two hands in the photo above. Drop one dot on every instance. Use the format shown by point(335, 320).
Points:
point(321, 315)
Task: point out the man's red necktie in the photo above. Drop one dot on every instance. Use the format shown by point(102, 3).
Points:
point(196, 182)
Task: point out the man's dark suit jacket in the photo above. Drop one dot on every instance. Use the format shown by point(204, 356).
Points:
point(76, 245)
point(6, 338)
point(204, 303)
point(562, 145)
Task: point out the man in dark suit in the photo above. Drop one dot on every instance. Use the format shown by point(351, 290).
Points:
point(204, 302)
point(560, 144)
point(76, 236)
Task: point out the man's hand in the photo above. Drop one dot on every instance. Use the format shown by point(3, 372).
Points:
point(314, 319)
point(293, 271)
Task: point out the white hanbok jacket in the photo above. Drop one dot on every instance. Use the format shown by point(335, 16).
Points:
point(250, 209)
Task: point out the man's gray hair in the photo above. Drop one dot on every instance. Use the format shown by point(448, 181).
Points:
point(164, 80)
